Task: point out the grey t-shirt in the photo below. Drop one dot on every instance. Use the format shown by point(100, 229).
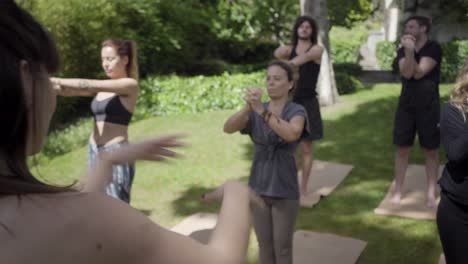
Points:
point(273, 171)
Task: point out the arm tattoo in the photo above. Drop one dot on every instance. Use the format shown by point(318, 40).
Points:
point(84, 84)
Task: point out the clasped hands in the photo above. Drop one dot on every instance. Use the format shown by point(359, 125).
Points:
point(253, 99)
point(408, 42)
point(58, 88)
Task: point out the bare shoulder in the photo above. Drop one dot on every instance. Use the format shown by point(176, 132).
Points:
point(74, 227)
point(316, 48)
point(116, 227)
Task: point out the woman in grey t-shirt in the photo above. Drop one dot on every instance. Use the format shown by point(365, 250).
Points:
point(275, 128)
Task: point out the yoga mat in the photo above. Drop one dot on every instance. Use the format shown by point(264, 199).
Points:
point(413, 200)
point(324, 178)
point(308, 247)
point(313, 247)
point(197, 226)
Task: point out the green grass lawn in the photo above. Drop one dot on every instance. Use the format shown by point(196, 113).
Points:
point(358, 131)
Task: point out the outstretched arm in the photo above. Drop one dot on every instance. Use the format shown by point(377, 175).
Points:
point(86, 87)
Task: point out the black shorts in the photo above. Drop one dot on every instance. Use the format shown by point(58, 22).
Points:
point(423, 121)
point(312, 108)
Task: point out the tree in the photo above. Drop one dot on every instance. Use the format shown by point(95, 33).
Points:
point(328, 94)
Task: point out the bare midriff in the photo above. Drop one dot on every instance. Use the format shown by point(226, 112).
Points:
point(106, 133)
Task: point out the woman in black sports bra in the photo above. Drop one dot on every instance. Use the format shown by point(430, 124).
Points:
point(112, 107)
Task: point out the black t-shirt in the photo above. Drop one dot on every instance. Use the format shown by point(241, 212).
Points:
point(425, 91)
point(454, 137)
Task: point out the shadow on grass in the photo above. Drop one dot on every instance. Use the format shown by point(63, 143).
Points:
point(189, 202)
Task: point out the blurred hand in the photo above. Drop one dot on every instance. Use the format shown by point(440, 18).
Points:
point(154, 149)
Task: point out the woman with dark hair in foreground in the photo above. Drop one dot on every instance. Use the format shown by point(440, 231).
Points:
point(41, 223)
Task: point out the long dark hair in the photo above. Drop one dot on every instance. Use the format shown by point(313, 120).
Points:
point(23, 38)
point(299, 21)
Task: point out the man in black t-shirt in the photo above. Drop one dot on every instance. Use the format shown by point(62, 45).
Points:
point(418, 109)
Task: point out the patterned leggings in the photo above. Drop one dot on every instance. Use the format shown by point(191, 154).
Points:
point(122, 174)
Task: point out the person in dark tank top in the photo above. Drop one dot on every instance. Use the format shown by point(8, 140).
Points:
point(306, 54)
point(112, 108)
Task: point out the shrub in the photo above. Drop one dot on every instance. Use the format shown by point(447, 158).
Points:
point(65, 140)
point(345, 76)
point(347, 83)
point(345, 44)
point(386, 52)
point(175, 94)
point(454, 54)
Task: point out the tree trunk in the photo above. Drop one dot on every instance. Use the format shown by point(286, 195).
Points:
point(328, 94)
point(391, 20)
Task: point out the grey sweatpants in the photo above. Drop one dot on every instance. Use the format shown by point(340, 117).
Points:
point(274, 227)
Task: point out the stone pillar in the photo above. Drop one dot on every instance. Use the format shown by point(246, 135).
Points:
point(391, 20)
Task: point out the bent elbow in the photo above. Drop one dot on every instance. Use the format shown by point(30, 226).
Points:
point(292, 137)
point(228, 130)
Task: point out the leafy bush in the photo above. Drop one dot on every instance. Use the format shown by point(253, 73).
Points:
point(65, 140)
point(345, 76)
point(175, 94)
point(454, 54)
point(345, 44)
point(386, 52)
point(347, 83)
point(348, 12)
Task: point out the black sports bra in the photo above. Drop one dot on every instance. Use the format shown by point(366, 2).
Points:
point(110, 110)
